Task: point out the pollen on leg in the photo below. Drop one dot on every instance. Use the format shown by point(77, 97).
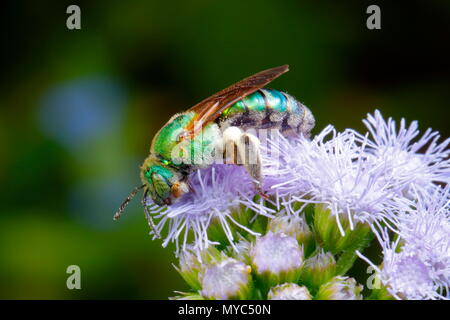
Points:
point(231, 137)
point(179, 188)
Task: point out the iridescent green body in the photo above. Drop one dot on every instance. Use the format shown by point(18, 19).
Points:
point(263, 109)
point(173, 155)
point(222, 127)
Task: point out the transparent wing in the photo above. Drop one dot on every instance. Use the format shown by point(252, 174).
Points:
point(210, 109)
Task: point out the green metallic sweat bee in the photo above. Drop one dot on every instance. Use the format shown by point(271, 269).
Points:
point(188, 141)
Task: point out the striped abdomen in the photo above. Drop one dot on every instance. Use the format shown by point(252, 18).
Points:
point(269, 109)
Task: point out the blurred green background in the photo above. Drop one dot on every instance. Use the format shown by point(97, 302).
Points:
point(79, 109)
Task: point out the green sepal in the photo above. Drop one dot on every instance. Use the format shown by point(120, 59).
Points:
point(267, 280)
point(191, 278)
point(259, 224)
point(216, 233)
point(329, 236)
point(318, 270)
point(380, 294)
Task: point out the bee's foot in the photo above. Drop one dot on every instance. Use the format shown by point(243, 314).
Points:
point(263, 194)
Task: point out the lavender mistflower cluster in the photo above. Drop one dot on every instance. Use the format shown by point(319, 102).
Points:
point(408, 159)
point(336, 173)
point(416, 265)
point(329, 197)
point(221, 194)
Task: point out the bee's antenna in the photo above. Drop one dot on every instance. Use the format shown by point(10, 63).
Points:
point(126, 201)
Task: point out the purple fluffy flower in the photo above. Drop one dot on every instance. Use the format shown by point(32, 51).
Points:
point(388, 181)
point(334, 171)
point(408, 158)
point(417, 264)
point(218, 192)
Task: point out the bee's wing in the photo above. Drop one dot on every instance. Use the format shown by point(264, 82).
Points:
point(209, 109)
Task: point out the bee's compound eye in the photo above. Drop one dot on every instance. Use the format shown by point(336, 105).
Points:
point(161, 185)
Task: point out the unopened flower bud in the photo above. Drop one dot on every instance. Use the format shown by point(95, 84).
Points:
point(318, 269)
point(340, 288)
point(289, 291)
point(193, 264)
point(227, 279)
point(294, 226)
point(240, 251)
point(276, 258)
point(189, 268)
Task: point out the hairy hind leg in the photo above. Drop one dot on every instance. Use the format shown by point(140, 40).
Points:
point(244, 149)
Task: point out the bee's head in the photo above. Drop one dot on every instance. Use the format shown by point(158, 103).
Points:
point(164, 182)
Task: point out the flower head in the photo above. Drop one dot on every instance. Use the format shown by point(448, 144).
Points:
point(423, 225)
point(340, 288)
point(277, 257)
point(276, 253)
point(296, 227)
point(407, 276)
point(408, 158)
point(226, 279)
point(403, 273)
point(218, 192)
point(335, 172)
point(318, 269)
point(417, 264)
point(289, 291)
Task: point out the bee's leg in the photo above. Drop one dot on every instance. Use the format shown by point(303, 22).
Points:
point(250, 151)
point(148, 216)
point(244, 149)
point(231, 137)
